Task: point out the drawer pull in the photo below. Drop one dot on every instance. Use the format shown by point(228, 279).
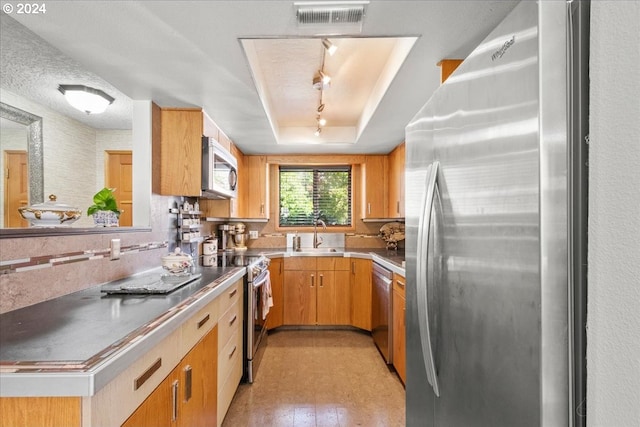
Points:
point(400, 284)
point(174, 401)
point(233, 293)
point(137, 383)
point(204, 320)
point(187, 382)
point(232, 321)
point(232, 352)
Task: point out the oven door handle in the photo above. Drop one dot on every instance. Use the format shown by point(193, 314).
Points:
point(261, 279)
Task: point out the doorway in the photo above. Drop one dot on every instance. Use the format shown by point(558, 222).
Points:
point(16, 187)
point(118, 174)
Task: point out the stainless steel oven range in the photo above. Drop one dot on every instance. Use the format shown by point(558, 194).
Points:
point(255, 315)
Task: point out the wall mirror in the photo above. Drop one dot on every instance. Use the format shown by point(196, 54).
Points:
point(65, 149)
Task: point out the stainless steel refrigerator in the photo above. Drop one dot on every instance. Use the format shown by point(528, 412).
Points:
point(495, 190)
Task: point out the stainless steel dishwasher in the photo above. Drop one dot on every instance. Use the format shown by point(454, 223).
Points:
point(381, 311)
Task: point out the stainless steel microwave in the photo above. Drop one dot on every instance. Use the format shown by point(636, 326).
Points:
point(219, 171)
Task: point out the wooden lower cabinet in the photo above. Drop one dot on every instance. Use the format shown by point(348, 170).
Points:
point(316, 291)
point(299, 297)
point(360, 282)
point(399, 328)
point(188, 396)
point(276, 312)
point(40, 411)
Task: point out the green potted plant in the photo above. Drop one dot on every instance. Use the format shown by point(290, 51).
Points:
point(104, 210)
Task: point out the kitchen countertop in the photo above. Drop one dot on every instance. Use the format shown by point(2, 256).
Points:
point(75, 344)
point(393, 260)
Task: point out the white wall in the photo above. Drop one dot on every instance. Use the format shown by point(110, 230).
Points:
point(613, 336)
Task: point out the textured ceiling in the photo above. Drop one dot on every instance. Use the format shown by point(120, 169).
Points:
point(32, 68)
point(189, 53)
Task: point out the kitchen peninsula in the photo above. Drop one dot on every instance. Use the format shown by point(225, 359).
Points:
point(92, 359)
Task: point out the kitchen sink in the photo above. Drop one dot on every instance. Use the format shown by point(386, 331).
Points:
point(314, 251)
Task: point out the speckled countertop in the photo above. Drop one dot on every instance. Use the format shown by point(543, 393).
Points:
point(75, 344)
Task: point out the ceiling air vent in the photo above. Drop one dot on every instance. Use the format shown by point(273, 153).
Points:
point(340, 16)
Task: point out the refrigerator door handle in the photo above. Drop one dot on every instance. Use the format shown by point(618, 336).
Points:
point(421, 276)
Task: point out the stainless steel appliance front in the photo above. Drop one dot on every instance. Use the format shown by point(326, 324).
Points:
point(381, 311)
point(256, 315)
point(487, 234)
point(219, 171)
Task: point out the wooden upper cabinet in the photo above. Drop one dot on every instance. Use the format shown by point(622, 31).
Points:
point(396, 182)
point(374, 187)
point(257, 203)
point(177, 151)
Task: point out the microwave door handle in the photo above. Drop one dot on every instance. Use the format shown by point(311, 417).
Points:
point(422, 277)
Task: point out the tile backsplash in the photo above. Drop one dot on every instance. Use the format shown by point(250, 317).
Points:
point(36, 269)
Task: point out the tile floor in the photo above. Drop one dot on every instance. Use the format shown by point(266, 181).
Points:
point(320, 378)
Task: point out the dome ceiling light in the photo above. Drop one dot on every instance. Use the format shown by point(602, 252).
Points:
point(86, 99)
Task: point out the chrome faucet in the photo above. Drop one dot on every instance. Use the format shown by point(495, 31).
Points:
point(317, 241)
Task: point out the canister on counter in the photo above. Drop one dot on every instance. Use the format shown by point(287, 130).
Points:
point(209, 260)
point(210, 247)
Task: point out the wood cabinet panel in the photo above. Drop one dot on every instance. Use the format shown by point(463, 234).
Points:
point(374, 187)
point(185, 398)
point(361, 293)
point(325, 300)
point(300, 263)
point(177, 152)
point(299, 297)
point(40, 411)
point(342, 297)
point(396, 182)
point(257, 186)
point(399, 328)
point(276, 270)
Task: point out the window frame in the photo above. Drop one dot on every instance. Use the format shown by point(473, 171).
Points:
point(310, 228)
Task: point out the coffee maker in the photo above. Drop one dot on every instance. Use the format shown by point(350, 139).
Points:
point(238, 231)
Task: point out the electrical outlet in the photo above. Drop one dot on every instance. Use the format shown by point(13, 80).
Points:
point(115, 249)
point(253, 234)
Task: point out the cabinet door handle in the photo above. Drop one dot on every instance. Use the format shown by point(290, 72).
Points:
point(233, 293)
point(137, 383)
point(174, 401)
point(400, 283)
point(202, 321)
point(398, 206)
point(281, 264)
point(313, 280)
point(369, 208)
point(187, 382)
point(322, 280)
point(353, 267)
point(232, 352)
point(233, 320)
point(262, 209)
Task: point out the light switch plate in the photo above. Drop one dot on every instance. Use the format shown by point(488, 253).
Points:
point(115, 249)
point(253, 234)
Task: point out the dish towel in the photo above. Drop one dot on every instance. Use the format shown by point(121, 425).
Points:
point(267, 297)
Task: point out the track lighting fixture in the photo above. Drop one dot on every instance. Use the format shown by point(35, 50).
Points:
point(322, 121)
point(321, 81)
point(317, 132)
point(330, 47)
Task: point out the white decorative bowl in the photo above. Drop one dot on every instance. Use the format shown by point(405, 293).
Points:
point(177, 262)
point(50, 213)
